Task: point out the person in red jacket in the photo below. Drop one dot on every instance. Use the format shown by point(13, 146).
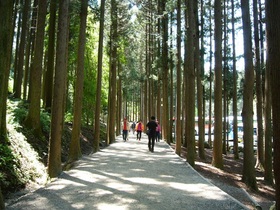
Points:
point(125, 129)
point(158, 130)
point(139, 129)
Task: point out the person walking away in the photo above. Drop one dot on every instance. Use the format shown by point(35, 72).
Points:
point(139, 129)
point(133, 127)
point(158, 130)
point(152, 126)
point(125, 129)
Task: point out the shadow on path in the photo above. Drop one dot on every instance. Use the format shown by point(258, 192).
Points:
point(125, 175)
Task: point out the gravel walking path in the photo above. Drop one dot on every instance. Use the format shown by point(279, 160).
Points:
point(125, 175)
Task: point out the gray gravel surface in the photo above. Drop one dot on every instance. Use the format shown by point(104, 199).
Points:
point(125, 175)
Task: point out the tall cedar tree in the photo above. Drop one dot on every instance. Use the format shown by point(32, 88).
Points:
point(248, 175)
point(260, 154)
point(273, 63)
point(268, 168)
point(201, 121)
point(99, 79)
point(179, 81)
point(6, 34)
point(234, 72)
point(217, 149)
point(113, 74)
point(190, 87)
point(165, 117)
point(75, 148)
point(51, 56)
point(19, 73)
point(57, 116)
point(29, 49)
point(33, 116)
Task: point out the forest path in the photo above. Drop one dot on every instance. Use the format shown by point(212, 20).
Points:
point(125, 175)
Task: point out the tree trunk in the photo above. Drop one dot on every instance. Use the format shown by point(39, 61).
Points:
point(18, 81)
point(75, 148)
point(268, 174)
point(57, 116)
point(33, 117)
point(201, 121)
point(113, 72)
point(234, 98)
point(29, 52)
point(165, 117)
point(179, 81)
point(249, 176)
point(217, 149)
point(51, 56)
point(210, 81)
point(260, 153)
point(190, 87)
point(6, 37)
point(273, 64)
point(99, 80)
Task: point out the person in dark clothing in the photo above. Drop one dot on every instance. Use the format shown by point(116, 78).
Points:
point(152, 125)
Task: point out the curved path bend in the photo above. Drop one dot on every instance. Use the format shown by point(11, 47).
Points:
point(125, 175)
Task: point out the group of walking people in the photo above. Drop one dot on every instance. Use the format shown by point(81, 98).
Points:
point(153, 131)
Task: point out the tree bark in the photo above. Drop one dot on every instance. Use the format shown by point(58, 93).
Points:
point(51, 56)
point(248, 176)
point(190, 87)
point(179, 85)
point(217, 160)
point(259, 93)
point(165, 117)
point(198, 67)
point(18, 81)
point(57, 116)
point(234, 98)
point(6, 37)
point(75, 148)
point(33, 118)
point(99, 79)
point(273, 64)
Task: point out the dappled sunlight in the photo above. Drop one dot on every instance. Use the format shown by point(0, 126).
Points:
point(126, 175)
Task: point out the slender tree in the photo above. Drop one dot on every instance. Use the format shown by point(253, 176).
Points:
point(19, 74)
point(54, 158)
point(6, 34)
point(29, 51)
point(33, 117)
point(113, 74)
point(99, 79)
point(165, 117)
point(198, 67)
point(179, 81)
point(190, 84)
point(268, 174)
point(249, 176)
point(75, 148)
point(234, 98)
point(217, 160)
point(51, 56)
point(260, 156)
point(273, 64)
point(210, 77)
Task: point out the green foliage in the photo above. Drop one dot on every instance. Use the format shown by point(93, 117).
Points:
point(10, 176)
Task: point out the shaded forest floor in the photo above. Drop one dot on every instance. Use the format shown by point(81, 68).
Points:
point(230, 179)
